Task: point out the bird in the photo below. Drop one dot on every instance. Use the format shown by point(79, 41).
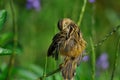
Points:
point(70, 44)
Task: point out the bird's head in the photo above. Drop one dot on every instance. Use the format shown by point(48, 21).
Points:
point(65, 24)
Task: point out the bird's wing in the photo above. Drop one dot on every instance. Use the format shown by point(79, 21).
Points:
point(54, 47)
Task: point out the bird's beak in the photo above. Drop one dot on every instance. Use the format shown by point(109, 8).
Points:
point(60, 24)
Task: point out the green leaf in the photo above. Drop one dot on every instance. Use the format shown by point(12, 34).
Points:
point(3, 71)
point(36, 69)
point(18, 49)
point(6, 41)
point(27, 75)
point(3, 15)
point(5, 38)
point(57, 76)
point(50, 78)
point(4, 51)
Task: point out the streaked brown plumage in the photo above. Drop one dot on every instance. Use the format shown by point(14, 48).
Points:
point(69, 43)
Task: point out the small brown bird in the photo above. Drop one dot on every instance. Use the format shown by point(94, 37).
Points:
point(70, 44)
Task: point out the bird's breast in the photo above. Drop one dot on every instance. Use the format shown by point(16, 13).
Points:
point(72, 48)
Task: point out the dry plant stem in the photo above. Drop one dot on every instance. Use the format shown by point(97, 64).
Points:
point(107, 36)
point(115, 61)
point(82, 13)
point(12, 57)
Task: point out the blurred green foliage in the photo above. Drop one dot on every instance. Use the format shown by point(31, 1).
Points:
point(3, 15)
point(36, 29)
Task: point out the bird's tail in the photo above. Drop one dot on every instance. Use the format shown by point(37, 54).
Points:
point(68, 68)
